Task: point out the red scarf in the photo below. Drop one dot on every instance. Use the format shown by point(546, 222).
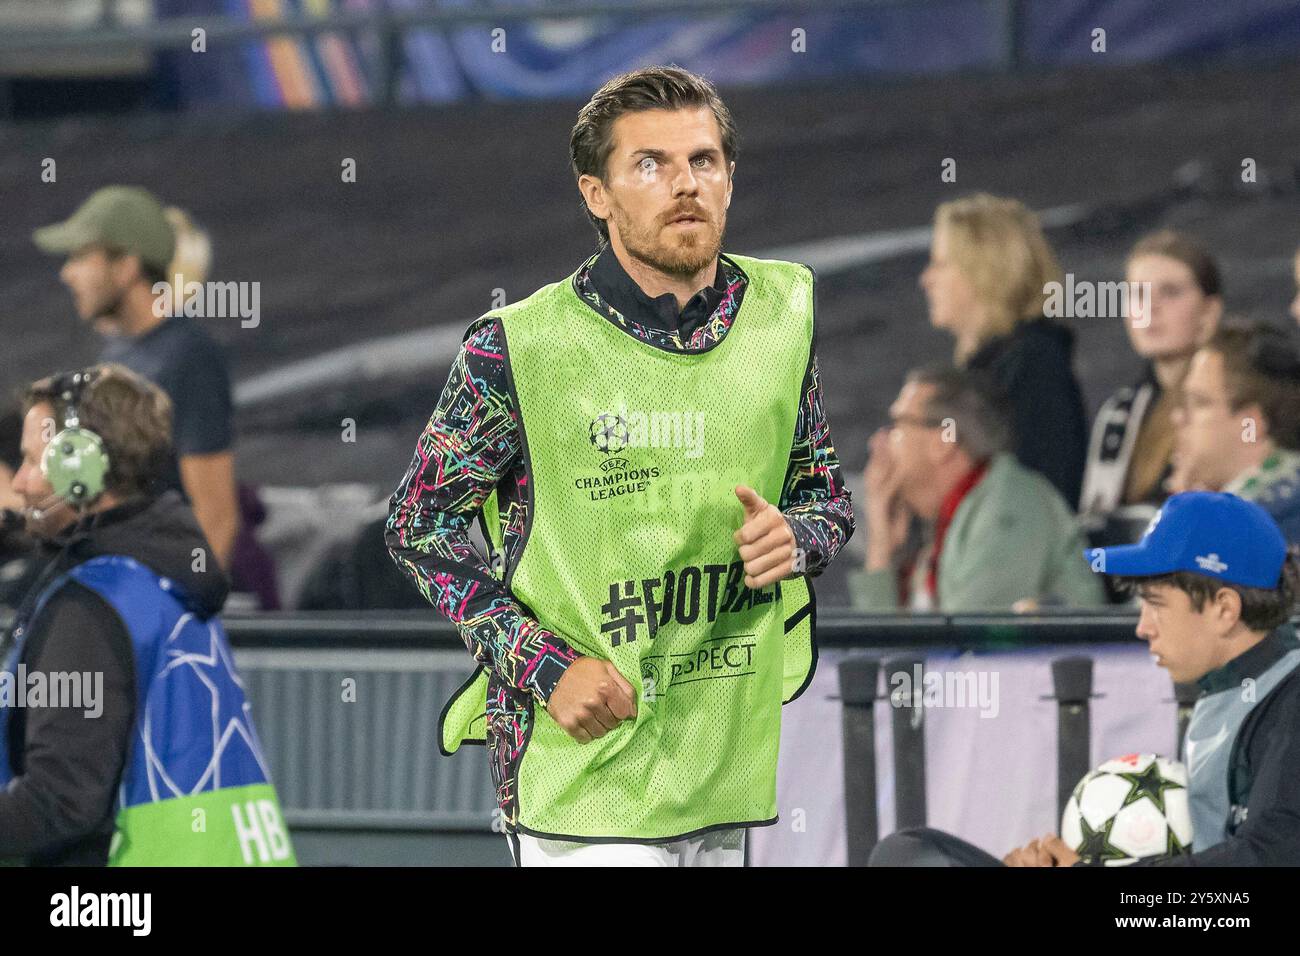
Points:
point(949, 507)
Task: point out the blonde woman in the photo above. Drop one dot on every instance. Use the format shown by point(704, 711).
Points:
point(986, 284)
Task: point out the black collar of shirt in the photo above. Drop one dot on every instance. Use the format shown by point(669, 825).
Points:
point(1251, 663)
point(620, 290)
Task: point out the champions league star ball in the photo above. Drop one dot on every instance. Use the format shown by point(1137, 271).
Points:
point(609, 433)
point(1129, 808)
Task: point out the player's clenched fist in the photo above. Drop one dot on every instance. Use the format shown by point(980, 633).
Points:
point(591, 699)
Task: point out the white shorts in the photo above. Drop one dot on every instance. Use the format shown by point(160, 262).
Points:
point(715, 848)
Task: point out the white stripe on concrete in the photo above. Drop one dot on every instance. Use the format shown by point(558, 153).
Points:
point(365, 361)
point(434, 348)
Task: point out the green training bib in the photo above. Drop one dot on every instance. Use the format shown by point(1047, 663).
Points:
point(634, 453)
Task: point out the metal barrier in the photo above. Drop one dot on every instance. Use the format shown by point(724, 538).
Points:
point(836, 627)
point(350, 738)
point(347, 705)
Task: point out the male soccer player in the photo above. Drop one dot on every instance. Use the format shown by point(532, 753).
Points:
point(645, 444)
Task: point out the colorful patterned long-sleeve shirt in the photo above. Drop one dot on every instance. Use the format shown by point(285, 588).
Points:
point(471, 447)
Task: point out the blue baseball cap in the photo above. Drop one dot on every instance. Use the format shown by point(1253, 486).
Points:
point(1214, 534)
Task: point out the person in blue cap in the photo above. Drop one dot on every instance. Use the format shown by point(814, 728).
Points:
point(1217, 586)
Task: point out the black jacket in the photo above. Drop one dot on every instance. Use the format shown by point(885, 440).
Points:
point(1033, 366)
point(19, 567)
point(59, 808)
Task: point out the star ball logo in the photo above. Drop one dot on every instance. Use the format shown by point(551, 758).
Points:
point(609, 433)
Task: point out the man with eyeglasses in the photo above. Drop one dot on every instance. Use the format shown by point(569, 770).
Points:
point(1238, 424)
point(998, 535)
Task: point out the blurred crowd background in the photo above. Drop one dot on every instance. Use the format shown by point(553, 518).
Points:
point(387, 171)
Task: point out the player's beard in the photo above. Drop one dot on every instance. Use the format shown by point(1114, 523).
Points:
point(674, 252)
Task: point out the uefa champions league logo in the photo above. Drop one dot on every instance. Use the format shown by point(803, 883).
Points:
point(615, 433)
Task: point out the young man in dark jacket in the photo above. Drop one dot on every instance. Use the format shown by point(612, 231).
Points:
point(119, 246)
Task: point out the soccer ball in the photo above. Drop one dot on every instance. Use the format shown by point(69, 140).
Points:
point(1129, 808)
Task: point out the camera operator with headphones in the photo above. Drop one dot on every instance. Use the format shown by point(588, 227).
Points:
point(165, 768)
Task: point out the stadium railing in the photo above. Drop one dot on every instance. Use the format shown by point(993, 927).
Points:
point(347, 705)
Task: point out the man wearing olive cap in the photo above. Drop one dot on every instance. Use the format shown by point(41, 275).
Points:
point(118, 247)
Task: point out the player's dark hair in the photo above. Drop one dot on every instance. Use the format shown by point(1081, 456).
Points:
point(652, 88)
point(1262, 609)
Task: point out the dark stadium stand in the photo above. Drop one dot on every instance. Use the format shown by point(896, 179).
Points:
point(452, 204)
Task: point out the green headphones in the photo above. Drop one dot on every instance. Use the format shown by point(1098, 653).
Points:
point(75, 462)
